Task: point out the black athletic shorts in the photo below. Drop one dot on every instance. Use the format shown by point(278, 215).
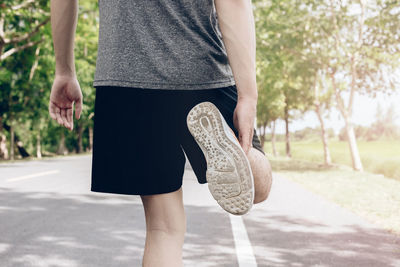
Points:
point(140, 136)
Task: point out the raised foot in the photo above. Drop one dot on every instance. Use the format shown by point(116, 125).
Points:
point(229, 175)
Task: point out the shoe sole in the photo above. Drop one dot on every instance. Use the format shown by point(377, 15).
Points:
point(229, 175)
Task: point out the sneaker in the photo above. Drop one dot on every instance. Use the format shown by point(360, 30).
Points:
point(229, 175)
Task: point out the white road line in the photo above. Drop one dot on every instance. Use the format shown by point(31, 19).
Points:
point(29, 176)
point(244, 250)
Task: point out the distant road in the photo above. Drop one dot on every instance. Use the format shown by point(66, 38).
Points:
point(49, 217)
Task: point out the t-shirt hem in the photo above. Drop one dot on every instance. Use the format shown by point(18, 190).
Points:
point(166, 86)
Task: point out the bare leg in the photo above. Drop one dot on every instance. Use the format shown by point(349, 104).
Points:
point(262, 174)
point(165, 229)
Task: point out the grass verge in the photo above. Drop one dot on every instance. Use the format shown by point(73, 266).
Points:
point(371, 196)
point(381, 157)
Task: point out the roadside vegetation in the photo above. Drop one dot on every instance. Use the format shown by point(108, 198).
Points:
point(370, 196)
point(379, 157)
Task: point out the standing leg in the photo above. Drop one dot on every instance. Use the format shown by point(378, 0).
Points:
point(262, 174)
point(165, 229)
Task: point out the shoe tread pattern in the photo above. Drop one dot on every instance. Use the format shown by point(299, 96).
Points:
point(229, 175)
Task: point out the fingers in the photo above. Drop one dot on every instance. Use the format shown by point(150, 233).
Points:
point(70, 119)
point(62, 99)
point(64, 117)
point(55, 113)
point(245, 133)
point(58, 115)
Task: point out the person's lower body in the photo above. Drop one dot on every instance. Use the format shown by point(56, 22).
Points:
point(139, 140)
point(165, 229)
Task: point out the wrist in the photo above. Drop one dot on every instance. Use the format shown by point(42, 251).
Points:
point(65, 74)
point(65, 70)
point(251, 96)
point(248, 90)
point(250, 102)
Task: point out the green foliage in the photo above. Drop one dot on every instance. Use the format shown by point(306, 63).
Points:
point(24, 97)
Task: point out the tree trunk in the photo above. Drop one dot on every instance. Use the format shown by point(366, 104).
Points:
point(12, 141)
point(262, 134)
point(38, 146)
point(273, 139)
point(3, 142)
point(61, 145)
point(288, 151)
point(327, 153)
point(347, 112)
point(351, 139)
point(90, 138)
point(22, 151)
point(3, 147)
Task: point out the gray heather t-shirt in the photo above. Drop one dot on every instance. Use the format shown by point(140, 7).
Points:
point(161, 44)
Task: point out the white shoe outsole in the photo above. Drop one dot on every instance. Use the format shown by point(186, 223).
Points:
point(229, 175)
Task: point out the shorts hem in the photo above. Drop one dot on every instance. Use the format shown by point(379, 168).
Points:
point(122, 192)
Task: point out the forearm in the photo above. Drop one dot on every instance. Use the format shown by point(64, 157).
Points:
point(236, 22)
point(64, 14)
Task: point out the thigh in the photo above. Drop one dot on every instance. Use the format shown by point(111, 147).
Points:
point(135, 147)
point(225, 99)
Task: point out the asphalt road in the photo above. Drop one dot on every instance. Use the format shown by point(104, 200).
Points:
point(49, 217)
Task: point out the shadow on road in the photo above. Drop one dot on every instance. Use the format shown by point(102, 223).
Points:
point(292, 241)
point(50, 229)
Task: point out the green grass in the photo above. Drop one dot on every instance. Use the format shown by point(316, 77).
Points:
point(380, 157)
point(371, 196)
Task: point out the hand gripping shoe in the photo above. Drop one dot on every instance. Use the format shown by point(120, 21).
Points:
point(229, 175)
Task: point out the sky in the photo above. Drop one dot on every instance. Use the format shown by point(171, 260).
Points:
point(364, 114)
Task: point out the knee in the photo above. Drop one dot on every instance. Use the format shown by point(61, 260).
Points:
point(263, 183)
point(261, 196)
point(170, 227)
point(165, 214)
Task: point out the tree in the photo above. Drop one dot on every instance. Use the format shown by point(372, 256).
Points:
point(280, 44)
point(316, 37)
point(270, 100)
point(366, 52)
point(322, 102)
point(20, 26)
point(27, 73)
point(269, 109)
